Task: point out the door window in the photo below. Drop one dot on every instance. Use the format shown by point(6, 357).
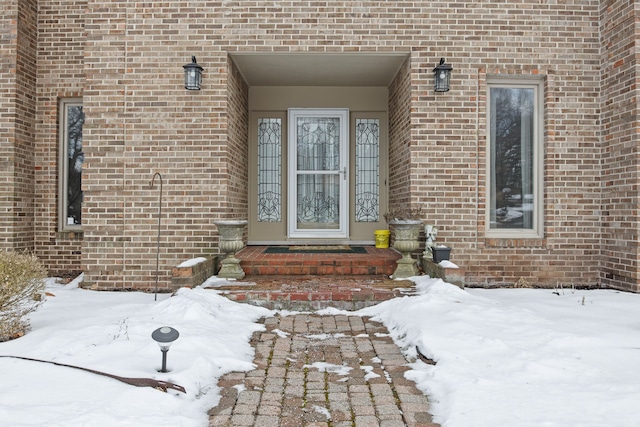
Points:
point(318, 184)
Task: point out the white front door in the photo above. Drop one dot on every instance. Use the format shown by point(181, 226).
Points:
point(318, 175)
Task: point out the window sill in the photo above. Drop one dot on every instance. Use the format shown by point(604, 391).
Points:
point(76, 234)
point(515, 242)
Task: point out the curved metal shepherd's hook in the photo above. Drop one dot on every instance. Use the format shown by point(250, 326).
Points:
point(159, 219)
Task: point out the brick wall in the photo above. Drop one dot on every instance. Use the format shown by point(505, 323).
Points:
point(400, 137)
point(140, 120)
point(60, 74)
point(237, 147)
point(620, 163)
point(107, 121)
point(17, 117)
point(8, 57)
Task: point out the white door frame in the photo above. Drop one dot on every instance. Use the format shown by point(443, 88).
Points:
point(342, 230)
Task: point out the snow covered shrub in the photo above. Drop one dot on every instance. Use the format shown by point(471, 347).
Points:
point(21, 288)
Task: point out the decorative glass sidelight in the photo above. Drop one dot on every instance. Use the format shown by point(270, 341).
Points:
point(367, 185)
point(269, 170)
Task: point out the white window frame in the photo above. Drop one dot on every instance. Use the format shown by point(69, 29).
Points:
point(537, 229)
point(63, 175)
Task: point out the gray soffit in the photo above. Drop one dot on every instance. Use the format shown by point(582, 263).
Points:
point(321, 69)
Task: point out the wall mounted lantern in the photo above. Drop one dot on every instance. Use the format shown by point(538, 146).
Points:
point(165, 336)
point(442, 76)
point(192, 75)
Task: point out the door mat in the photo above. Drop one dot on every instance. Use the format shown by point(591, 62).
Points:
point(334, 249)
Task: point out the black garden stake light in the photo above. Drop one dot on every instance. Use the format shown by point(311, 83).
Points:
point(165, 336)
point(442, 76)
point(192, 75)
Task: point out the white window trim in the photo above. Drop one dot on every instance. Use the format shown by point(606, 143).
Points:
point(63, 175)
point(537, 230)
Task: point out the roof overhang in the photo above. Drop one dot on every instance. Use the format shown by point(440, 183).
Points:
point(319, 69)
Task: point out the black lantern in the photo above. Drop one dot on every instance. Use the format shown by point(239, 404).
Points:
point(192, 75)
point(442, 76)
point(165, 336)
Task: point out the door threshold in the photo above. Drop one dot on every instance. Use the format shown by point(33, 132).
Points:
point(315, 242)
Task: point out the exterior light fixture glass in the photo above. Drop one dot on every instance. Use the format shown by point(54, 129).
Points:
point(165, 336)
point(192, 75)
point(442, 76)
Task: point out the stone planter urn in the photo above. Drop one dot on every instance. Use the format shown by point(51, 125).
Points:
point(406, 234)
point(231, 233)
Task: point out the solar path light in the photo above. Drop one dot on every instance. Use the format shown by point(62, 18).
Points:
point(165, 336)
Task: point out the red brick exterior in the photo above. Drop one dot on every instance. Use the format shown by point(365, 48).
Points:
point(619, 145)
point(60, 74)
point(124, 59)
point(18, 56)
point(400, 137)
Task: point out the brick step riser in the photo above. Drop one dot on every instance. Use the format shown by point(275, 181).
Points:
point(304, 304)
point(312, 269)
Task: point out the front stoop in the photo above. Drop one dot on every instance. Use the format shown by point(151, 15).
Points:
point(376, 261)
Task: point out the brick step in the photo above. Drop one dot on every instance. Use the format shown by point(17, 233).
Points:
point(375, 261)
point(317, 292)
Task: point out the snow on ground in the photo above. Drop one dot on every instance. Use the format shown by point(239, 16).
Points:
point(111, 332)
point(505, 357)
point(522, 357)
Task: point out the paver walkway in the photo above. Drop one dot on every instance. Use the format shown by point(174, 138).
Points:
point(322, 371)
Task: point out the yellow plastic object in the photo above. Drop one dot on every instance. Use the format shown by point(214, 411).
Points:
point(382, 238)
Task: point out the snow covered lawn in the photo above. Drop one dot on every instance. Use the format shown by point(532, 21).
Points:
point(505, 357)
point(111, 332)
point(522, 357)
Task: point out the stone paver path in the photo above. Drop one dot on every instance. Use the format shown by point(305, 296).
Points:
point(322, 371)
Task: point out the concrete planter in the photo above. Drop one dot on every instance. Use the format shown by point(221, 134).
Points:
point(231, 241)
point(405, 241)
